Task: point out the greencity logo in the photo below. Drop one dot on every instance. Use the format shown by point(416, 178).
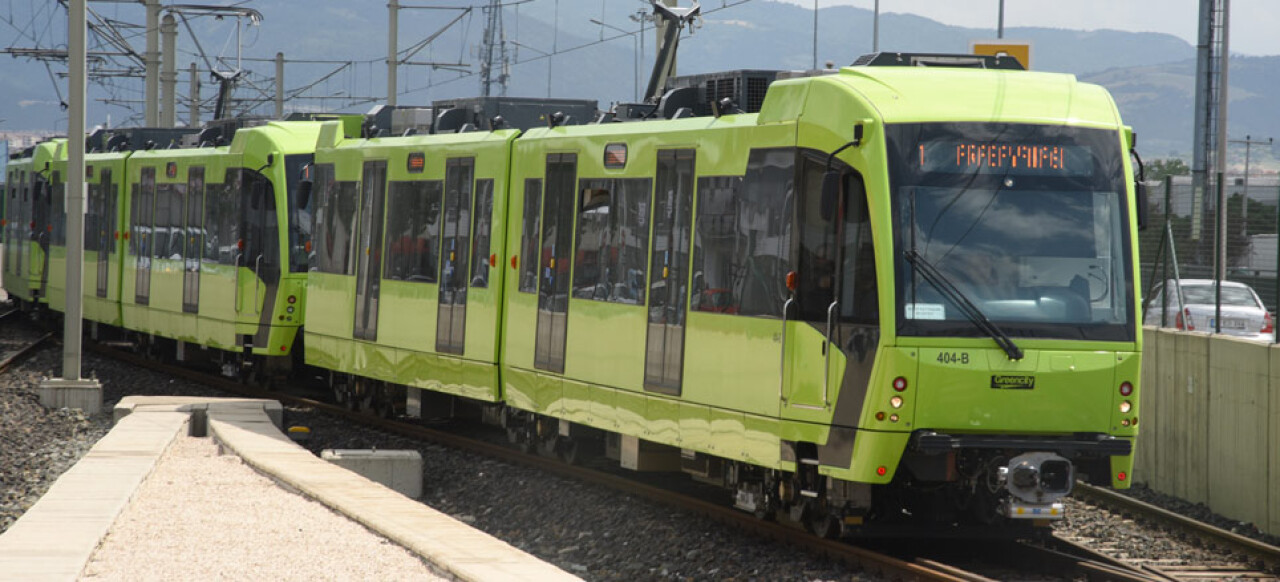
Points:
point(1011, 382)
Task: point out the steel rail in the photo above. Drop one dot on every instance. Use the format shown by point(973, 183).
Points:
point(23, 352)
point(1267, 554)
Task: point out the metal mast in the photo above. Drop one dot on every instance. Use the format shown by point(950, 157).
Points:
point(1210, 72)
point(493, 51)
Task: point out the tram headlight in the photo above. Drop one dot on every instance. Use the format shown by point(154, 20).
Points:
point(1125, 407)
point(896, 402)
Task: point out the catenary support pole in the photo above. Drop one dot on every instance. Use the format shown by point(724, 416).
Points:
point(194, 94)
point(71, 390)
point(393, 44)
point(279, 85)
point(151, 58)
point(168, 71)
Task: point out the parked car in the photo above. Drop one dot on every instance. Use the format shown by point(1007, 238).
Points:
point(1243, 314)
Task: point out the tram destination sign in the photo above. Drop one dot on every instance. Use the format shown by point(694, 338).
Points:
point(1006, 158)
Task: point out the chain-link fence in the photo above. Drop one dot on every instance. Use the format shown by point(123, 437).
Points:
point(1182, 243)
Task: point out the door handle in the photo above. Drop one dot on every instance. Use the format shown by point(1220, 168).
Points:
point(782, 369)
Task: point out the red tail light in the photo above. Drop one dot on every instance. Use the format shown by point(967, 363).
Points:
point(1126, 388)
point(1267, 325)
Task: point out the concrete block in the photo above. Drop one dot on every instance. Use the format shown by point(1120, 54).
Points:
point(398, 470)
point(213, 406)
point(59, 393)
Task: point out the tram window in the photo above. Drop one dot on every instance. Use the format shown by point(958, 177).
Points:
point(223, 201)
point(817, 245)
point(530, 236)
point(481, 233)
point(162, 225)
point(90, 239)
point(719, 252)
point(859, 293)
point(612, 241)
point(56, 229)
point(742, 238)
point(333, 237)
point(413, 231)
point(134, 203)
point(177, 215)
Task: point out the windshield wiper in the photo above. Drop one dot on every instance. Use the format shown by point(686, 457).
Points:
point(979, 319)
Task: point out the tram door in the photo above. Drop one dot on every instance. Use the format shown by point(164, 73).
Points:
point(451, 321)
point(193, 235)
point(668, 271)
point(142, 221)
point(558, 210)
point(42, 217)
point(369, 256)
point(104, 207)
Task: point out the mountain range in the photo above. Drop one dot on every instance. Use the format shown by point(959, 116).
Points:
point(1151, 75)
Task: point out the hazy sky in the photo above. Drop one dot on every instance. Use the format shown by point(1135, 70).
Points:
point(1255, 24)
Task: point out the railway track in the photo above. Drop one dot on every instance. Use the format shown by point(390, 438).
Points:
point(870, 560)
point(948, 565)
point(1243, 558)
point(13, 350)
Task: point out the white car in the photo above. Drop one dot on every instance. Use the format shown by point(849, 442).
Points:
point(1243, 314)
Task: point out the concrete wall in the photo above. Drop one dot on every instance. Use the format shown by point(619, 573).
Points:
point(1210, 426)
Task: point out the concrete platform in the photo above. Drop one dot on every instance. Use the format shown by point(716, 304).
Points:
point(56, 537)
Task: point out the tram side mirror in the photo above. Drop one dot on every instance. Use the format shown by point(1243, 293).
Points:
point(1143, 203)
point(304, 187)
point(830, 194)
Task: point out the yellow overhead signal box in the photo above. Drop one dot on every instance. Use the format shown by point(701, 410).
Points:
point(1020, 50)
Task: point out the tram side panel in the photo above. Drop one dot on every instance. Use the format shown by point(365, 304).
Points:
point(600, 338)
point(406, 265)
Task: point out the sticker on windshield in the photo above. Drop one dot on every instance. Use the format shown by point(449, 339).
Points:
point(926, 311)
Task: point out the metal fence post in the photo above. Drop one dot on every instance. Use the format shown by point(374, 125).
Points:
point(1219, 253)
point(1168, 230)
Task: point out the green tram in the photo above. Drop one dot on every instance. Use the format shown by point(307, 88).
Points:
point(892, 292)
point(28, 224)
point(198, 245)
point(886, 294)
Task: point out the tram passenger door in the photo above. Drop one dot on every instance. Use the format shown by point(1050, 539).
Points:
point(558, 210)
point(104, 204)
point(143, 212)
point(192, 250)
point(814, 307)
point(26, 227)
point(451, 320)
point(369, 252)
point(668, 272)
point(42, 216)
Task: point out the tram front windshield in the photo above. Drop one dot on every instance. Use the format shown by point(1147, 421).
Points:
point(1028, 223)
